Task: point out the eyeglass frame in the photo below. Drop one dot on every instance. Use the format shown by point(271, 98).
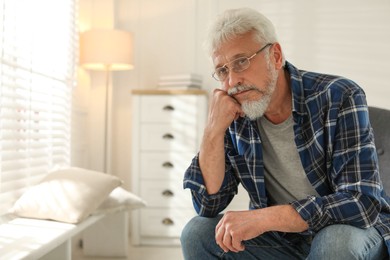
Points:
point(238, 71)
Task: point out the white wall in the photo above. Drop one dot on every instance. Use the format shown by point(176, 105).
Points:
point(349, 38)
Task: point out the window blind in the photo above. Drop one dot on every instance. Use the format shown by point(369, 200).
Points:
point(38, 44)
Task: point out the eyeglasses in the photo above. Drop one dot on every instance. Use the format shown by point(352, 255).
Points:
point(237, 65)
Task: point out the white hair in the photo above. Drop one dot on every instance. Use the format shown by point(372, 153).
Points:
point(236, 22)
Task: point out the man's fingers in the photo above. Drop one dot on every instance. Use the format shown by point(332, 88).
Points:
point(219, 238)
point(219, 235)
point(237, 244)
point(227, 242)
point(222, 238)
point(228, 235)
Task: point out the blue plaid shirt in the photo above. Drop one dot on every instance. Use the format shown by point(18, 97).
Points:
point(335, 142)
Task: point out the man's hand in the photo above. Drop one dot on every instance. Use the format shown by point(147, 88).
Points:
point(223, 110)
point(235, 227)
point(238, 226)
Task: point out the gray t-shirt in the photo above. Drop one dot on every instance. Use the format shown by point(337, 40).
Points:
point(285, 179)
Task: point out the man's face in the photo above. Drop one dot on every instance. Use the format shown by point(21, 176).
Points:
point(253, 87)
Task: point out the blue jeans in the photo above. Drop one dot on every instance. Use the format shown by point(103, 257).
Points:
point(333, 242)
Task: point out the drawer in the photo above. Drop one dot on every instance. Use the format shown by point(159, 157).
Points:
point(166, 137)
point(164, 165)
point(162, 193)
point(164, 109)
point(164, 223)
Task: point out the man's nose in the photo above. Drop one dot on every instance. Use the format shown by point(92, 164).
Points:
point(234, 79)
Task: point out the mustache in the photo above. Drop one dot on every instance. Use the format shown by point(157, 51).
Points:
point(240, 88)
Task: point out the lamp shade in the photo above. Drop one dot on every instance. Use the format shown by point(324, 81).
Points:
point(102, 49)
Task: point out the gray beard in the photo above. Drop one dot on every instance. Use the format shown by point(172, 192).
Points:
point(256, 109)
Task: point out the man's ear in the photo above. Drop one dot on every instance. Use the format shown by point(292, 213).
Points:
point(277, 55)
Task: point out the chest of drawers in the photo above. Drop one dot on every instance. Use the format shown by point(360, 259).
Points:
point(166, 134)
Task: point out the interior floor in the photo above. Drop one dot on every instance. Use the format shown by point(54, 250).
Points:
point(137, 253)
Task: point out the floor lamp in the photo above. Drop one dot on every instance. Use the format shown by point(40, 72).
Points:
point(106, 50)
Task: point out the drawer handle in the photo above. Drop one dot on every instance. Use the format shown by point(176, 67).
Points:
point(168, 108)
point(167, 165)
point(167, 193)
point(168, 137)
point(167, 222)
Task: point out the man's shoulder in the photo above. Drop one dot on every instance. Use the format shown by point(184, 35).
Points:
point(321, 81)
point(311, 83)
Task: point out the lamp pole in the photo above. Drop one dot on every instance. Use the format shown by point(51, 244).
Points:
point(108, 50)
point(108, 122)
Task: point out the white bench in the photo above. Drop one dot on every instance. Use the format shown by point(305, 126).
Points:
point(30, 239)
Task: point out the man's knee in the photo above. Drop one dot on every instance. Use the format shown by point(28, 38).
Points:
point(198, 238)
point(347, 242)
point(190, 231)
point(199, 228)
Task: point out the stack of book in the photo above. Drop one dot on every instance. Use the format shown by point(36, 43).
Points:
point(180, 81)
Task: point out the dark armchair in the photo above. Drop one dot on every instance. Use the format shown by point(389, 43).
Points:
point(380, 121)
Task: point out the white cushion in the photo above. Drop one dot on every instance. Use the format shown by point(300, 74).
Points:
point(119, 200)
point(68, 195)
